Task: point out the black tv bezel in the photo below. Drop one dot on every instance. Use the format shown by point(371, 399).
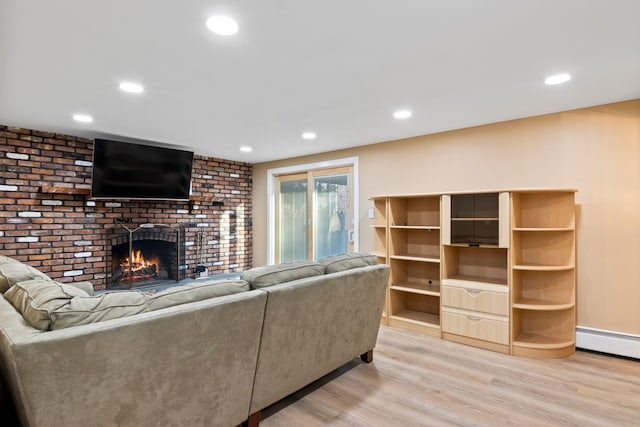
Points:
point(133, 197)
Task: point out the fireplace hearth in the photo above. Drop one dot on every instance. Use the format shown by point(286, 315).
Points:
point(142, 255)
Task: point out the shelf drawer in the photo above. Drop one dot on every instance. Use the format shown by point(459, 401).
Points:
point(482, 300)
point(486, 327)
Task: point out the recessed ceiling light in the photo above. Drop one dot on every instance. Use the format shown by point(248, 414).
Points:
point(402, 114)
point(309, 135)
point(84, 118)
point(246, 149)
point(556, 79)
point(131, 87)
point(222, 25)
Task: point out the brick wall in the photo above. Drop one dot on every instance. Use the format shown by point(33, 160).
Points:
point(65, 235)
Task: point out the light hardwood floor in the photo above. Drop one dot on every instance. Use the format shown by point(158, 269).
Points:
point(416, 380)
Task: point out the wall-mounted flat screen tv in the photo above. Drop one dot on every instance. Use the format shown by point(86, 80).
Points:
point(123, 170)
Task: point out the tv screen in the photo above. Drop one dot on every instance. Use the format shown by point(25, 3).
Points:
point(124, 170)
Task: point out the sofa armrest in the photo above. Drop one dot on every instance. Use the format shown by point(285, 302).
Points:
point(191, 364)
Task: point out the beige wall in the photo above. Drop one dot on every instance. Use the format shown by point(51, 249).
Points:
point(595, 150)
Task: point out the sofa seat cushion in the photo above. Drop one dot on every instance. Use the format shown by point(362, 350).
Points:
point(15, 272)
point(261, 277)
point(196, 291)
point(37, 298)
point(343, 262)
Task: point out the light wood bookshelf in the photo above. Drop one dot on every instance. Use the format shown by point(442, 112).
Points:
point(475, 272)
point(380, 228)
point(411, 243)
point(543, 274)
point(504, 280)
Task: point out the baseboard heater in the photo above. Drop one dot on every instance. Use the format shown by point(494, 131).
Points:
point(611, 342)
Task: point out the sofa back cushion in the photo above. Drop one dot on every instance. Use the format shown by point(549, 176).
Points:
point(348, 261)
point(12, 272)
point(6, 259)
point(261, 277)
point(90, 309)
point(196, 291)
point(37, 298)
point(113, 305)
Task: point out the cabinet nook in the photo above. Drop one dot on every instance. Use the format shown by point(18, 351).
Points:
point(492, 269)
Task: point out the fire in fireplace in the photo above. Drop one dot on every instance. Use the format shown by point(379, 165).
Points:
point(145, 255)
point(137, 267)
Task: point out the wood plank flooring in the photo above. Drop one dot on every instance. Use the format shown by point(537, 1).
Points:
point(416, 380)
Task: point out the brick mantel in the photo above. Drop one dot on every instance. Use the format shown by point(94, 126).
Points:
point(64, 233)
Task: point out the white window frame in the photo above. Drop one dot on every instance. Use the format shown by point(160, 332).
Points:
point(271, 198)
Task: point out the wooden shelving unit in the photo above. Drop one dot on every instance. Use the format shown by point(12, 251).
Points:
point(543, 274)
point(491, 269)
point(381, 242)
point(475, 287)
point(407, 231)
point(414, 254)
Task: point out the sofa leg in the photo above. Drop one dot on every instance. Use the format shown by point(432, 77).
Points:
point(252, 421)
point(367, 357)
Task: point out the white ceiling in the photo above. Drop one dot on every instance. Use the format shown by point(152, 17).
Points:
point(335, 67)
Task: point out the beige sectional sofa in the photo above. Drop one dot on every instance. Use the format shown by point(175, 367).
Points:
point(207, 353)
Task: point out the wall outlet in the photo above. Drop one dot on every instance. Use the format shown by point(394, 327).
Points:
point(370, 213)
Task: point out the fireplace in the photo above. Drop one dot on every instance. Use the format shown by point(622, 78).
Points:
point(148, 254)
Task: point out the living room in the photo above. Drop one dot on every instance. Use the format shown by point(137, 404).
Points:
point(262, 109)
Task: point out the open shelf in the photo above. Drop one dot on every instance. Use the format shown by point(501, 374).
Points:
point(417, 308)
point(543, 333)
point(543, 289)
point(414, 242)
point(380, 212)
point(553, 249)
point(540, 210)
point(418, 318)
point(432, 288)
point(411, 271)
point(414, 211)
point(542, 342)
point(487, 265)
point(380, 241)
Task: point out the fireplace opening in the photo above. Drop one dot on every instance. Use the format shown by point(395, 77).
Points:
point(148, 254)
point(151, 261)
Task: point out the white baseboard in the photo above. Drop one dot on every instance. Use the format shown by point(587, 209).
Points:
point(611, 342)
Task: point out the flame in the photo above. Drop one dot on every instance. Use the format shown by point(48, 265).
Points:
point(138, 261)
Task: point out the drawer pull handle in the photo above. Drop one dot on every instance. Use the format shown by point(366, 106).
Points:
point(473, 291)
point(473, 319)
